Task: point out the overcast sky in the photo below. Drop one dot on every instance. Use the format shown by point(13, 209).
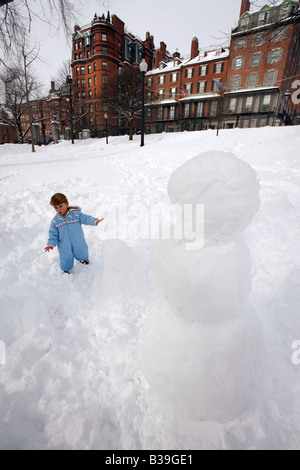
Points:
point(175, 22)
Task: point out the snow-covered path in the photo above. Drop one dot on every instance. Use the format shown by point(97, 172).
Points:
point(72, 378)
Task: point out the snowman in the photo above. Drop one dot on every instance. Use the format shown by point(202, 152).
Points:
point(203, 348)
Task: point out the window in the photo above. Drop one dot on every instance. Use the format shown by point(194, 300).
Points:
point(161, 79)
point(248, 103)
point(202, 87)
point(271, 77)
point(232, 105)
point(240, 44)
point(255, 59)
point(215, 84)
point(235, 82)
point(213, 108)
point(238, 63)
point(104, 65)
point(189, 87)
point(244, 23)
point(160, 113)
point(186, 110)
point(90, 95)
point(77, 70)
point(104, 37)
point(83, 83)
point(266, 103)
point(82, 71)
point(171, 112)
point(173, 92)
point(263, 18)
point(89, 82)
point(104, 79)
point(189, 73)
point(252, 80)
point(104, 50)
point(203, 70)
point(95, 67)
point(150, 81)
point(218, 67)
point(199, 109)
point(274, 56)
point(174, 77)
point(161, 94)
point(259, 39)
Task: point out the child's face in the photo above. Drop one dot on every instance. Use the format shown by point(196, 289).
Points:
point(61, 209)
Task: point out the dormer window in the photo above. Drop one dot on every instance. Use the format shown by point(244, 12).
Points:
point(161, 66)
point(219, 50)
point(244, 23)
point(263, 18)
point(202, 55)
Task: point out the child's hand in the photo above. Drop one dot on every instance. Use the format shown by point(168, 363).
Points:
point(48, 248)
point(98, 221)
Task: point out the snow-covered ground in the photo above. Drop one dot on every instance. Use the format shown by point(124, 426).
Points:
point(71, 345)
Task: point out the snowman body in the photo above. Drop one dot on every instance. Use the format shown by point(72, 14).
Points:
point(203, 345)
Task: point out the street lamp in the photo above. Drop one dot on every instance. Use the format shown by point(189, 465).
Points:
point(143, 69)
point(106, 130)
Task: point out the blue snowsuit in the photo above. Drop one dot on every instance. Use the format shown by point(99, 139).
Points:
point(66, 233)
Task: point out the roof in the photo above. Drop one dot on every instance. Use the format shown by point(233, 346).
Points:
point(171, 67)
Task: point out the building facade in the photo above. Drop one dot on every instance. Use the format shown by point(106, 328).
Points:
point(264, 62)
point(186, 94)
point(99, 50)
point(248, 85)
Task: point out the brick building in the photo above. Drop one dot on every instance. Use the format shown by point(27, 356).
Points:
point(185, 94)
point(7, 134)
point(99, 49)
point(247, 85)
point(264, 62)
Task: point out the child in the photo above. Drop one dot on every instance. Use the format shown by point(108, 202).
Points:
point(66, 233)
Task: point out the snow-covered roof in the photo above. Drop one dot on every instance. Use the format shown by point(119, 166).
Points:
point(249, 90)
point(171, 67)
point(200, 96)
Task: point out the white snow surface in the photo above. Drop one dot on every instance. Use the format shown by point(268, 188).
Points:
point(71, 376)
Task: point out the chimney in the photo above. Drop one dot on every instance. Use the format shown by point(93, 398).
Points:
point(245, 6)
point(52, 89)
point(176, 54)
point(194, 48)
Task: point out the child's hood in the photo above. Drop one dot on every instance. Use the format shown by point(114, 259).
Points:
point(74, 208)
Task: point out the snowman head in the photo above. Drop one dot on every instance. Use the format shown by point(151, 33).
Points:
point(225, 185)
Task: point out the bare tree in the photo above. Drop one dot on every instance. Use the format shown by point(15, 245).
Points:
point(20, 83)
point(17, 16)
point(123, 96)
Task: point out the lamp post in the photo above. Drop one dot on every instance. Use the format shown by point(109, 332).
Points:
point(106, 130)
point(143, 69)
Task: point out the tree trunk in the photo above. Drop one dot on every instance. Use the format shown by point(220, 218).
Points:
point(130, 129)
